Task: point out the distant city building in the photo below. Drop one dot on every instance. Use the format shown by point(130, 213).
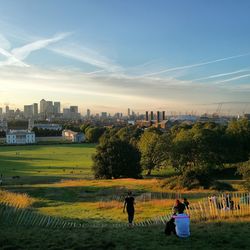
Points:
point(128, 112)
point(1, 111)
point(20, 137)
point(35, 109)
point(7, 109)
point(49, 108)
point(158, 116)
point(104, 115)
point(73, 109)
point(88, 113)
point(57, 107)
point(28, 111)
point(72, 136)
point(163, 115)
point(43, 106)
point(151, 115)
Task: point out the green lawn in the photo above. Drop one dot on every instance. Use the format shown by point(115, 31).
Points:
point(49, 161)
point(59, 183)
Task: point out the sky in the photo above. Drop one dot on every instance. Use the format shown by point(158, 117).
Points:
point(110, 55)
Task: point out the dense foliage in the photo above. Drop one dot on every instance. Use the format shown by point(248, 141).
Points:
point(196, 152)
point(116, 158)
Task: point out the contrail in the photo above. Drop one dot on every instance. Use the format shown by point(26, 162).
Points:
point(221, 75)
point(195, 65)
point(17, 55)
point(234, 78)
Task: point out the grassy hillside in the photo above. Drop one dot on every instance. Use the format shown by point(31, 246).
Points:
point(231, 234)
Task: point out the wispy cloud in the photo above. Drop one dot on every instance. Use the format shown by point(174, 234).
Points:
point(194, 65)
point(17, 55)
point(221, 75)
point(86, 55)
point(234, 78)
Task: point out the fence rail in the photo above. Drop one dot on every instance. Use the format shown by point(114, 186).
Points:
point(207, 209)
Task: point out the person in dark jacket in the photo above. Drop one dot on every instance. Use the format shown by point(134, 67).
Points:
point(129, 206)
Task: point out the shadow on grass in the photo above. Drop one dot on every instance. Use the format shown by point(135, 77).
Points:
point(206, 236)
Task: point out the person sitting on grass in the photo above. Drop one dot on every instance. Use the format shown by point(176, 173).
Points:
point(179, 223)
point(129, 205)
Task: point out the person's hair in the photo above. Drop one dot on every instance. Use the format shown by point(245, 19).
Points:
point(181, 208)
point(185, 199)
point(129, 193)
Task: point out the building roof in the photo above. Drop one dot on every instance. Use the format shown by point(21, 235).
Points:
point(19, 132)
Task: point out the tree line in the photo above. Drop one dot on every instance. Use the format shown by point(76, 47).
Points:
point(196, 152)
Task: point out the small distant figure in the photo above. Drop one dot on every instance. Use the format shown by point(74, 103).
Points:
point(1, 180)
point(179, 224)
point(129, 205)
point(186, 203)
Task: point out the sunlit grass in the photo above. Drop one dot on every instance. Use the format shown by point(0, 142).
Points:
point(15, 199)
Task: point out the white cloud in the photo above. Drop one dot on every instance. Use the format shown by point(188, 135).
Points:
point(86, 55)
point(17, 55)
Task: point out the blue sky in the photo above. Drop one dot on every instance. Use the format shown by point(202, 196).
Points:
point(109, 55)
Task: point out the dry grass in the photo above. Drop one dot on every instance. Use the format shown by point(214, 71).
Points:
point(15, 199)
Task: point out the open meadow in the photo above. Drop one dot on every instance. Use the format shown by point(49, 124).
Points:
point(56, 182)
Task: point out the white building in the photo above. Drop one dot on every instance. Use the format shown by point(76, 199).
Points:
point(73, 136)
point(20, 137)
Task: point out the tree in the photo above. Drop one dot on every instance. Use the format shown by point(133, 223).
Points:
point(93, 134)
point(130, 134)
point(237, 141)
point(115, 158)
point(196, 153)
point(147, 146)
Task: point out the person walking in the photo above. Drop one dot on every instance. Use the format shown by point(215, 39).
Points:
point(129, 206)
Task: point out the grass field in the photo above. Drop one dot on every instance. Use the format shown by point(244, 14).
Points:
point(49, 161)
point(56, 180)
point(59, 181)
point(231, 234)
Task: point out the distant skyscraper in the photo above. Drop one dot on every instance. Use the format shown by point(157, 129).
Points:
point(43, 106)
point(7, 109)
point(104, 115)
point(128, 112)
point(88, 113)
point(49, 107)
point(73, 109)
point(57, 107)
point(158, 116)
point(35, 109)
point(151, 115)
point(146, 116)
point(28, 111)
point(66, 113)
point(163, 115)
point(1, 111)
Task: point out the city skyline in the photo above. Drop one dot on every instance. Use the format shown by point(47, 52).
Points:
point(114, 55)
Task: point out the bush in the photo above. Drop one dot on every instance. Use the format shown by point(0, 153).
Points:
point(221, 186)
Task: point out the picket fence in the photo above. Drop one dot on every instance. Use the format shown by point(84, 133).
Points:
point(199, 211)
